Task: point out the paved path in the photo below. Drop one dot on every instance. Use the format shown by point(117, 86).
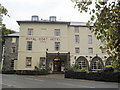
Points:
point(51, 81)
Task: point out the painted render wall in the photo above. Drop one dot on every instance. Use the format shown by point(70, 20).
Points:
point(67, 43)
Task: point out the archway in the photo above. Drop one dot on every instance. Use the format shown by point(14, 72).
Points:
point(83, 62)
point(109, 61)
point(96, 64)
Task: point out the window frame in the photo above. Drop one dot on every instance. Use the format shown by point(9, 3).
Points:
point(13, 50)
point(76, 29)
point(57, 45)
point(77, 50)
point(77, 40)
point(89, 39)
point(57, 32)
point(30, 31)
point(27, 60)
point(90, 51)
point(29, 47)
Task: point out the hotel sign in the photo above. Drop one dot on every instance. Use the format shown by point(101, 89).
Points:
point(43, 38)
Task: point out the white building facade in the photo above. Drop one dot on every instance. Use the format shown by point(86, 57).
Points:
point(55, 44)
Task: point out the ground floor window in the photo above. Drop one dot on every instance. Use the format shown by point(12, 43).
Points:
point(96, 65)
point(28, 61)
point(42, 62)
point(109, 61)
point(83, 64)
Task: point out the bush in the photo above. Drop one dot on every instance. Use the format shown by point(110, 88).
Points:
point(69, 68)
point(97, 76)
point(109, 68)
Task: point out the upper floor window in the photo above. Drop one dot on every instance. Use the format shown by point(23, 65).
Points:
point(30, 32)
point(103, 51)
point(13, 40)
point(89, 39)
point(13, 50)
point(77, 50)
point(28, 61)
point(90, 50)
point(76, 38)
point(76, 29)
point(29, 45)
point(57, 32)
point(103, 40)
point(57, 46)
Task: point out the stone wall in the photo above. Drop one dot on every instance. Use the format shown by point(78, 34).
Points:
point(9, 56)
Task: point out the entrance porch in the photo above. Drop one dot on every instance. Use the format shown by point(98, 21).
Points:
point(57, 61)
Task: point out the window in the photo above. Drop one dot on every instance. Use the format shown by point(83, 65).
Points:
point(77, 50)
point(30, 32)
point(28, 61)
point(90, 50)
point(76, 29)
point(57, 32)
point(29, 45)
point(76, 38)
point(89, 39)
point(103, 40)
point(57, 46)
point(96, 65)
point(13, 50)
point(83, 64)
point(13, 40)
point(103, 51)
point(42, 62)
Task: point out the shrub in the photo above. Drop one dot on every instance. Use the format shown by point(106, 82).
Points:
point(109, 68)
point(69, 68)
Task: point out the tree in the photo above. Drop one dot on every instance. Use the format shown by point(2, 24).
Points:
point(105, 17)
point(3, 30)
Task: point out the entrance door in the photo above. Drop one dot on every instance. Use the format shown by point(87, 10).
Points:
point(57, 64)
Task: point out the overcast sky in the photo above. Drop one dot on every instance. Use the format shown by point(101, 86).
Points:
point(23, 10)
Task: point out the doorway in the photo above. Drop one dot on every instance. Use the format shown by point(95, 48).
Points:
point(57, 64)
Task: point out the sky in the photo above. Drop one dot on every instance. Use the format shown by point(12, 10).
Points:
point(23, 10)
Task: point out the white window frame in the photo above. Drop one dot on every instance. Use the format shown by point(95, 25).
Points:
point(76, 38)
point(13, 40)
point(89, 39)
point(30, 32)
point(90, 50)
point(77, 50)
point(57, 32)
point(57, 46)
point(103, 51)
point(28, 59)
point(29, 45)
point(76, 29)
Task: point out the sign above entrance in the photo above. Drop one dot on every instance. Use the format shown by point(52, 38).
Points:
point(43, 38)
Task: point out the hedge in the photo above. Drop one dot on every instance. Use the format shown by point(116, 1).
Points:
point(26, 72)
point(97, 76)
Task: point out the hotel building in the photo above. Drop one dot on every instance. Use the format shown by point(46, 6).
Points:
point(56, 44)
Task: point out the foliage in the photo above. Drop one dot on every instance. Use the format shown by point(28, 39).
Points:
point(3, 11)
point(109, 68)
point(39, 68)
point(69, 68)
point(105, 18)
point(5, 32)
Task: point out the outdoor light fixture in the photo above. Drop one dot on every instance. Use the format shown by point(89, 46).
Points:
point(57, 59)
